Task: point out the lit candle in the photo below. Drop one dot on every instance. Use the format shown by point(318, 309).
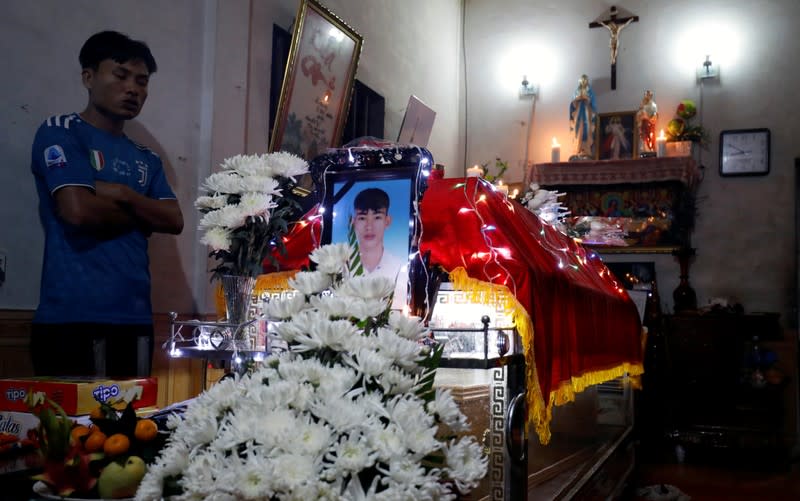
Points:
point(555, 152)
point(503, 188)
point(475, 171)
point(661, 145)
point(515, 193)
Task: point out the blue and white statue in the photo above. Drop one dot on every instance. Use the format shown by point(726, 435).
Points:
point(583, 120)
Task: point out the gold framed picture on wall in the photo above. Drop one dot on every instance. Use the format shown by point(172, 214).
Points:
point(318, 82)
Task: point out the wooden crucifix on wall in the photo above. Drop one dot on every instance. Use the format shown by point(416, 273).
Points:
point(614, 24)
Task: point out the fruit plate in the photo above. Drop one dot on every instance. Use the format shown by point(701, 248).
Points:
point(42, 490)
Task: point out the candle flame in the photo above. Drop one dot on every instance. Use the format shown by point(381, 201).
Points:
point(555, 142)
point(662, 136)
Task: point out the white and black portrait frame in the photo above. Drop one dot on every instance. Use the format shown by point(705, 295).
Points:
point(402, 172)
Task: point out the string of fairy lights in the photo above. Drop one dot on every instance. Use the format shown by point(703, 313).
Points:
point(494, 256)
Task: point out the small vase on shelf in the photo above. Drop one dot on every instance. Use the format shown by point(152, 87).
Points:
point(238, 292)
point(684, 298)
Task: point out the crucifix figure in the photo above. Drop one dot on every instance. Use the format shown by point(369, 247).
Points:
point(614, 25)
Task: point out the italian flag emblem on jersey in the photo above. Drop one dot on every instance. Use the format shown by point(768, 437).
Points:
point(97, 160)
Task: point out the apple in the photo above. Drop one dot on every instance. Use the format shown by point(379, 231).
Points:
point(121, 480)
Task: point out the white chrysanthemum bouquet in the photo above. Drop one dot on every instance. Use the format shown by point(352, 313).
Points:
point(349, 411)
point(245, 209)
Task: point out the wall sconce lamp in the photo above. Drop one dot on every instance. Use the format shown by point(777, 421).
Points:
point(527, 89)
point(708, 70)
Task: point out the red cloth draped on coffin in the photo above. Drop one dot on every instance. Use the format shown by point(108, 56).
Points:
point(583, 322)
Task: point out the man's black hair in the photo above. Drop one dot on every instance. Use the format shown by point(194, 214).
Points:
point(116, 46)
point(373, 199)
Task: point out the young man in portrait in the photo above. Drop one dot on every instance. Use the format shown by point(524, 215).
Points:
point(370, 221)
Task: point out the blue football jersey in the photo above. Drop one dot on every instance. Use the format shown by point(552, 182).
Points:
point(86, 278)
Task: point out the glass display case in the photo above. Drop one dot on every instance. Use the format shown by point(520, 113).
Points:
point(474, 335)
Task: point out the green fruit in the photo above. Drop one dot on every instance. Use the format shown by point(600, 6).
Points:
point(687, 109)
point(675, 127)
point(121, 481)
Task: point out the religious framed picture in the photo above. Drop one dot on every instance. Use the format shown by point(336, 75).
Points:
point(616, 136)
point(317, 84)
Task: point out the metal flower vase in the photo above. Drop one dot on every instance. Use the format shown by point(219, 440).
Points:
point(238, 292)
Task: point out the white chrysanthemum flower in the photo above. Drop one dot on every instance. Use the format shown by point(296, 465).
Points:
point(254, 475)
point(287, 165)
point(404, 471)
point(367, 286)
point(402, 351)
point(369, 363)
point(285, 307)
point(236, 162)
point(256, 204)
point(444, 406)
point(217, 237)
point(351, 455)
point(396, 382)
point(334, 334)
point(223, 182)
point(466, 462)
point(261, 184)
point(229, 216)
point(333, 306)
point(342, 415)
point(337, 382)
point(332, 258)
point(255, 165)
point(408, 327)
point(310, 282)
point(211, 202)
point(311, 438)
point(387, 441)
point(291, 470)
point(368, 308)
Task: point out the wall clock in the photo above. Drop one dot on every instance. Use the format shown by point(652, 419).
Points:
point(744, 152)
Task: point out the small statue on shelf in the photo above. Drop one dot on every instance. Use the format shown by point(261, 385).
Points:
point(583, 120)
point(646, 119)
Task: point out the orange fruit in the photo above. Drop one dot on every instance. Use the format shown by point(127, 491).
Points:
point(78, 432)
point(94, 442)
point(146, 430)
point(116, 444)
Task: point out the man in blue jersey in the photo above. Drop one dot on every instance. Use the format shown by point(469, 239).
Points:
point(101, 195)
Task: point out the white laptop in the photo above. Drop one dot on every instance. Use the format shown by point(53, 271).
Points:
point(417, 123)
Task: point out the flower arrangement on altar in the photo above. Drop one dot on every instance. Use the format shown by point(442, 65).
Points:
point(347, 411)
point(545, 204)
point(245, 210)
point(680, 128)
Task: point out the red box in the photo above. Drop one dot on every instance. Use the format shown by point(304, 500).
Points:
point(76, 395)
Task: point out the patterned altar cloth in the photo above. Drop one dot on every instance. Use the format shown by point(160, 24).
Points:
point(643, 170)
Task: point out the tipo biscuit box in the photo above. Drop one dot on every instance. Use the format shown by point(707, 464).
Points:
point(78, 395)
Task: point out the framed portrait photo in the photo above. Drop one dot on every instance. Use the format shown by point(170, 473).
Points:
point(369, 199)
point(315, 95)
point(617, 136)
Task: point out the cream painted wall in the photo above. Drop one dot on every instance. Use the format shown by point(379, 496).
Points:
point(745, 234)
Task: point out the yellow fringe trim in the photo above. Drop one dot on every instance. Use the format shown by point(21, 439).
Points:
point(269, 282)
point(539, 413)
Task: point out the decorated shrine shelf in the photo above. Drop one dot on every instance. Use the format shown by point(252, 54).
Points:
point(601, 172)
point(638, 205)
